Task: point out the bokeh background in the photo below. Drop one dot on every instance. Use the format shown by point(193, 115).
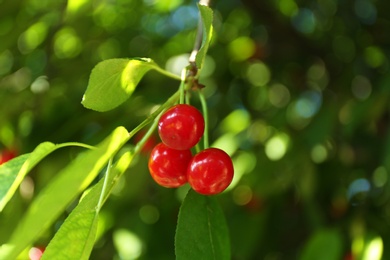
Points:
point(298, 93)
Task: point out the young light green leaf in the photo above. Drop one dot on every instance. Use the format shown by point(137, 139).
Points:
point(13, 172)
point(206, 14)
point(323, 245)
point(64, 188)
point(8, 174)
point(113, 81)
point(76, 237)
point(201, 231)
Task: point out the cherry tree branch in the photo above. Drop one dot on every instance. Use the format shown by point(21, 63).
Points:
point(198, 40)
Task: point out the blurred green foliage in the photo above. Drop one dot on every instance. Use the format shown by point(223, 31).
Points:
point(298, 94)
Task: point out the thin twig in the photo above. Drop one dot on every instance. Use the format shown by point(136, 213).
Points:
point(198, 39)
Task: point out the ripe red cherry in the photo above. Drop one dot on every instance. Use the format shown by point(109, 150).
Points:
point(210, 171)
point(181, 127)
point(168, 166)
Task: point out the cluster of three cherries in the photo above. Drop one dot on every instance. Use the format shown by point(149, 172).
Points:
point(171, 163)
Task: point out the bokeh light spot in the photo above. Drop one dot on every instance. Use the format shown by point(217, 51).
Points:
point(294, 118)
point(345, 113)
point(241, 48)
point(259, 131)
point(164, 5)
point(176, 64)
point(242, 195)
point(317, 76)
point(6, 62)
point(359, 186)
point(279, 95)
point(75, 5)
point(374, 56)
point(366, 11)
point(380, 177)
point(308, 104)
point(316, 71)
point(258, 74)
point(40, 85)
point(32, 37)
point(226, 142)
point(27, 188)
point(128, 244)
point(67, 44)
point(276, 146)
point(7, 134)
point(319, 153)
point(110, 17)
point(236, 121)
point(185, 17)
point(361, 87)
point(243, 163)
point(25, 123)
point(374, 249)
point(304, 21)
point(288, 7)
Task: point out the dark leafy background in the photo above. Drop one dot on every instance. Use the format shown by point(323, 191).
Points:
point(298, 93)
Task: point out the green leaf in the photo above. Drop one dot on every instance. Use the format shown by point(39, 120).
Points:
point(13, 172)
point(64, 188)
point(76, 237)
point(325, 244)
point(201, 231)
point(113, 81)
point(8, 174)
point(206, 14)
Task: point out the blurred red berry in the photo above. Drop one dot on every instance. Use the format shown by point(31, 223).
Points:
point(149, 144)
point(36, 253)
point(7, 155)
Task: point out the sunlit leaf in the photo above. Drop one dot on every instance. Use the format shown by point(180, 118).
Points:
point(64, 188)
point(113, 81)
point(13, 172)
point(201, 231)
point(206, 14)
point(8, 174)
point(76, 237)
point(323, 245)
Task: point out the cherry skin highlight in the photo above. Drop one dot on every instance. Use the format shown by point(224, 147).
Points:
point(210, 171)
point(168, 166)
point(181, 127)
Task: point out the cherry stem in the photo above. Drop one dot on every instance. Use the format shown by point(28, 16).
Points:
point(152, 118)
point(167, 73)
point(206, 119)
point(199, 36)
point(76, 144)
point(183, 85)
point(147, 135)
